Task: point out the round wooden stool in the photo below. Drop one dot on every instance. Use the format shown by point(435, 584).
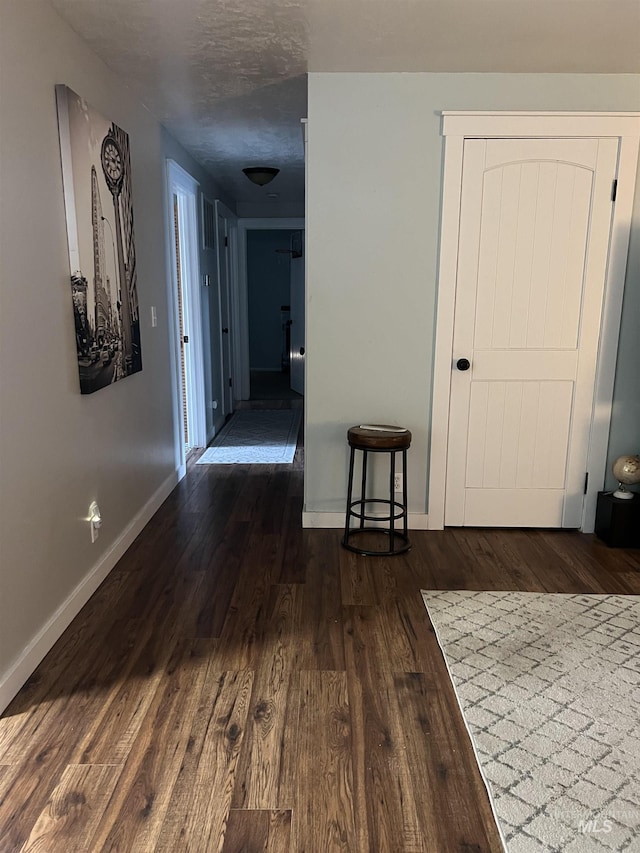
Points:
point(378, 438)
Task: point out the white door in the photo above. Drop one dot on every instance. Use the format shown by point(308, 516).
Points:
point(296, 348)
point(534, 237)
point(182, 196)
point(224, 296)
point(186, 362)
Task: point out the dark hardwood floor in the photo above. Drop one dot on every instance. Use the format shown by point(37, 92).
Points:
point(239, 684)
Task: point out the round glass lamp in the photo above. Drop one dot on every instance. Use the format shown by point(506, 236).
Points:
point(626, 470)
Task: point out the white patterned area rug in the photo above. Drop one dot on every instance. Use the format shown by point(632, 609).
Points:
point(256, 437)
point(549, 687)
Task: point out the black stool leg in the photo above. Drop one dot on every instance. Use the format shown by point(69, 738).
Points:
point(363, 490)
point(392, 497)
point(349, 496)
point(405, 502)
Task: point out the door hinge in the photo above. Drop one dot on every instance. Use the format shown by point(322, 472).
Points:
point(614, 189)
point(586, 482)
point(226, 241)
point(230, 382)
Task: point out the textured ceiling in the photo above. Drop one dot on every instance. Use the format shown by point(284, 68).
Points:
point(227, 77)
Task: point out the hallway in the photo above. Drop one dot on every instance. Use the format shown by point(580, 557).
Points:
point(272, 385)
point(239, 684)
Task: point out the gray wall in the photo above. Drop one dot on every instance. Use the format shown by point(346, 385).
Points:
point(624, 437)
point(269, 287)
point(375, 156)
point(60, 450)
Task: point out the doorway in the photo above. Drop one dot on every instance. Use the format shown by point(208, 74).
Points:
point(287, 342)
point(528, 312)
point(270, 267)
point(183, 199)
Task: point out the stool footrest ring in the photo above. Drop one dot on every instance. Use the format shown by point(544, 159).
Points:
point(366, 517)
point(403, 545)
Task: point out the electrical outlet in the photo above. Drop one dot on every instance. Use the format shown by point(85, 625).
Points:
point(397, 483)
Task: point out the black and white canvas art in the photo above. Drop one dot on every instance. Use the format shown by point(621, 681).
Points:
point(96, 172)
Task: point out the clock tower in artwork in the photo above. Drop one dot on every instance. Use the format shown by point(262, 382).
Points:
point(113, 166)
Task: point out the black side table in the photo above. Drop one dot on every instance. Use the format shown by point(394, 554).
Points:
point(618, 521)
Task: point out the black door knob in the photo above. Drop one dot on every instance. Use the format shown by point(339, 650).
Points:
point(463, 364)
point(225, 331)
point(301, 350)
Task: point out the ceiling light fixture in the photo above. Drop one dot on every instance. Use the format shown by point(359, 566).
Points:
point(261, 175)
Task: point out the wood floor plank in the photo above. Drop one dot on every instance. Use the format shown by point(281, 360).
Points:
point(443, 774)
point(291, 564)
point(197, 815)
point(125, 706)
point(383, 785)
point(630, 581)
point(70, 817)
point(395, 634)
point(501, 564)
point(438, 555)
point(89, 649)
point(518, 552)
point(48, 738)
point(324, 820)
point(134, 815)
point(262, 780)
point(356, 581)
point(256, 493)
point(321, 638)
point(8, 775)
point(389, 577)
point(258, 832)
point(482, 560)
point(583, 556)
point(11, 727)
point(218, 582)
point(273, 513)
point(401, 631)
point(213, 494)
point(244, 626)
point(114, 729)
point(27, 787)
point(171, 538)
point(74, 691)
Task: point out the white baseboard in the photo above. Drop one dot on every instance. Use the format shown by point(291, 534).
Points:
point(12, 681)
point(417, 520)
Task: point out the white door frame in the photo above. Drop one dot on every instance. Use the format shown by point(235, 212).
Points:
point(242, 338)
point(231, 287)
point(298, 316)
point(456, 127)
point(181, 183)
